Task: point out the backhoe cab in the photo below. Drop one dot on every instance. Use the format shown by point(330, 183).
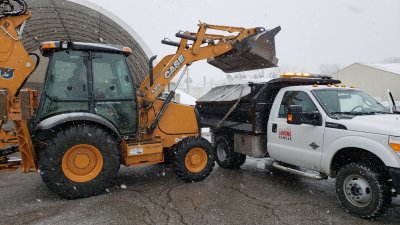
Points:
point(89, 78)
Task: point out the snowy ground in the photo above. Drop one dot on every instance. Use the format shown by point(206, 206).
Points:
point(154, 195)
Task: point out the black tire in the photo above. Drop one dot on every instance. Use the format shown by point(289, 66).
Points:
point(363, 191)
point(51, 158)
point(225, 155)
point(182, 149)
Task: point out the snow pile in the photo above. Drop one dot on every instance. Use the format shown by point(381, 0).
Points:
point(185, 98)
point(390, 67)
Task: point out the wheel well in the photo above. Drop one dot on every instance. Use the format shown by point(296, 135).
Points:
point(351, 155)
point(223, 132)
point(40, 137)
point(80, 122)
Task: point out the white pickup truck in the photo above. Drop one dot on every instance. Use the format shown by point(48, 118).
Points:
point(314, 127)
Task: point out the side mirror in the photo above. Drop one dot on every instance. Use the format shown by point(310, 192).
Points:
point(294, 114)
point(313, 118)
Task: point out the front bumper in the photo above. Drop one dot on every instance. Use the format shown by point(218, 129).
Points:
point(395, 175)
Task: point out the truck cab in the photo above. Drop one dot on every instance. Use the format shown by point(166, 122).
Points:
point(329, 113)
point(311, 126)
point(340, 132)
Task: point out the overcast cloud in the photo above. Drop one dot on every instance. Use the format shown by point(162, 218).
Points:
point(314, 32)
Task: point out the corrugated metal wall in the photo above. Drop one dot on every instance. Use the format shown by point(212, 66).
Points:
point(64, 20)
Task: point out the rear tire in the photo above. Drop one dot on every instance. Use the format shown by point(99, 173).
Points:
point(225, 155)
point(363, 191)
point(193, 159)
point(80, 161)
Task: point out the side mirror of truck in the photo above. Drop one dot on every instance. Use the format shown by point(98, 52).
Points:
point(297, 116)
point(313, 118)
point(294, 114)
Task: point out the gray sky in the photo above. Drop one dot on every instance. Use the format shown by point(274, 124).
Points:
point(314, 32)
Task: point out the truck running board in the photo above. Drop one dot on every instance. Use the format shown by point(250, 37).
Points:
point(313, 176)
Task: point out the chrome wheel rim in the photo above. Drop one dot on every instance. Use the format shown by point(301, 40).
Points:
point(221, 152)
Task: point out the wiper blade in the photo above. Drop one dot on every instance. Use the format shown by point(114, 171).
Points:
point(339, 115)
point(376, 112)
point(347, 113)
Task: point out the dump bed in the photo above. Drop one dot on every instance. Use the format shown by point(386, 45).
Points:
point(253, 104)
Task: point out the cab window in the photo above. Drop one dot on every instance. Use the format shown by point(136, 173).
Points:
point(111, 77)
point(67, 76)
point(296, 98)
point(114, 93)
point(66, 87)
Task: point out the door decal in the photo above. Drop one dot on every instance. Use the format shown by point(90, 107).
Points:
point(285, 134)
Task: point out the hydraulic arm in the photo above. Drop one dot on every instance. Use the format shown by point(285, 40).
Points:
point(16, 105)
point(210, 46)
point(243, 49)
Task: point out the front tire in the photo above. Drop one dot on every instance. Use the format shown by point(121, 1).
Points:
point(193, 159)
point(363, 191)
point(225, 155)
point(80, 161)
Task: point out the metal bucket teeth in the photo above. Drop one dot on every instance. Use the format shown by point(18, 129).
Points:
point(254, 52)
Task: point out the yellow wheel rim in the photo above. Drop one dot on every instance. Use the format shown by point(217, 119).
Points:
point(196, 160)
point(82, 163)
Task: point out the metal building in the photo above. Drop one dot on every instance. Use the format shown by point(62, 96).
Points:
point(374, 79)
point(81, 20)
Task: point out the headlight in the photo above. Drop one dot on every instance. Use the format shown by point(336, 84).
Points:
point(394, 143)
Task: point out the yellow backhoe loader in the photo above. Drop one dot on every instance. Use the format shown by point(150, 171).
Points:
point(90, 118)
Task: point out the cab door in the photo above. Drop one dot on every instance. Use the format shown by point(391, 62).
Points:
point(300, 145)
point(113, 92)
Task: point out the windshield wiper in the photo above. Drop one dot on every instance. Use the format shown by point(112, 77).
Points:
point(347, 113)
point(339, 115)
point(376, 112)
point(359, 113)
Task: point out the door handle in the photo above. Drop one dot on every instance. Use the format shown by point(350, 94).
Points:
point(314, 145)
point(274, 127)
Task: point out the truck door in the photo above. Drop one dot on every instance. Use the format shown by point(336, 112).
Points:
point(299, 145)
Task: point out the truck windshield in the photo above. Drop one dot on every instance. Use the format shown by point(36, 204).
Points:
point(348, 102)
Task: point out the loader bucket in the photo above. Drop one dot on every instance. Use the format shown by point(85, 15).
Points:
point(253, 52)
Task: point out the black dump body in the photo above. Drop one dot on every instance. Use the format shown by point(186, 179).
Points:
point(252, 112)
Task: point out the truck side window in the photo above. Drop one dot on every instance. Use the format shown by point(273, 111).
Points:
point(296, 98)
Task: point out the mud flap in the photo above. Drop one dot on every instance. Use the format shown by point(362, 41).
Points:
point(253, 52)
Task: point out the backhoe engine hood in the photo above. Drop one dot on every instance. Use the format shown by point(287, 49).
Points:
point(253, 52)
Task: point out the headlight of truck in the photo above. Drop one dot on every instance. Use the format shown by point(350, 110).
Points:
point(394, 143)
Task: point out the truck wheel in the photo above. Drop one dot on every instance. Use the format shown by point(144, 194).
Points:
point(362, 191)
point(225, 155)
point(80, 161)
point(193, 159)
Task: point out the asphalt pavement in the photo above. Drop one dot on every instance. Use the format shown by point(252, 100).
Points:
point(154, 195)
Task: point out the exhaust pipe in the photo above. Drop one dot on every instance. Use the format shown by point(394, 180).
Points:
point(151, 69)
